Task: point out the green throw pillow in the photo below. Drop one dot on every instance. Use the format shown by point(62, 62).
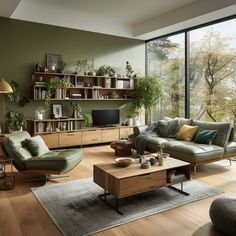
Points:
point(205, 136)
point(36, 145)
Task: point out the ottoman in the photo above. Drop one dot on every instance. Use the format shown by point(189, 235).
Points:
point(223, 215)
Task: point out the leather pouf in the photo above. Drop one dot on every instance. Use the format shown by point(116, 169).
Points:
point(223, 215)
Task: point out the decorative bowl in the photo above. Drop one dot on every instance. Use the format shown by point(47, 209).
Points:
point(124, 161)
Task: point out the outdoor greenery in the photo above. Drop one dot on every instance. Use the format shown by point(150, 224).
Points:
point(212, 74)
point(105, 70)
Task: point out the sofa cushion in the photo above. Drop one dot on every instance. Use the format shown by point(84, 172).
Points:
point(36, 145)
point(205, 136)
point(62, 160)
point(187, 133)
point(153, 143)
point(223, 130)
point(193, 152)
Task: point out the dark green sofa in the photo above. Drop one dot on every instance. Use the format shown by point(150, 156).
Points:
point(52, 162)
point(223, 145)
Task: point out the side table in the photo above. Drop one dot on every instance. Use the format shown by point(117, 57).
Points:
point(7, 178)
point(122, 149)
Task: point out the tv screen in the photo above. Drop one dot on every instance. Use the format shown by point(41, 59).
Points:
point(105, 117)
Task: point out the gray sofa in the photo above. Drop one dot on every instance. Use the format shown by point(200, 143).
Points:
point(223, 145)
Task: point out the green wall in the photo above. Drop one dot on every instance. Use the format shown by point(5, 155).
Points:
point(23, 44)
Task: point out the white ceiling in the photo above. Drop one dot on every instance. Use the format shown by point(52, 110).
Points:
point(141, 19)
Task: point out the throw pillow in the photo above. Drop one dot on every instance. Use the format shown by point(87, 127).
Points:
point(162, 128)
point(205, 136)
point(36, 145)
point(172, 128)
point(187, 133)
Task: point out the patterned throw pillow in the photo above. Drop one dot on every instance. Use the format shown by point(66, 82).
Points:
point(205, 136)
point(187, 133)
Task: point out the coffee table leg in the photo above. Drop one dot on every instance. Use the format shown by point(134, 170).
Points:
point(104, 198)
point(181, 190)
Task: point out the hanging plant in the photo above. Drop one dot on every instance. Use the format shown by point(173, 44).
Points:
point(53, 84)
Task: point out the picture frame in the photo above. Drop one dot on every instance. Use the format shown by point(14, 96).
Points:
point(53, 62)
point(57, 110)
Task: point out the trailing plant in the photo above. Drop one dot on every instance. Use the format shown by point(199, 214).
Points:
point(105, 70)
point(53, 84)
point(148, 91)
point(16, 95)
point(16, 120)
point(88, 120)
point(129, 70)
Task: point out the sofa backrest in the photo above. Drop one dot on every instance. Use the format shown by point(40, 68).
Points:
point(223, 130)
point(15, 148)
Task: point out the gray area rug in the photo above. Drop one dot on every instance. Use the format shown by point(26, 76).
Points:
point(76, 209)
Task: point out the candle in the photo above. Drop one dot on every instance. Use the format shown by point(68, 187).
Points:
point(53, 68)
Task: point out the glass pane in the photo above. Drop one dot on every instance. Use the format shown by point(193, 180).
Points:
point(213, 76)
point(165, 57)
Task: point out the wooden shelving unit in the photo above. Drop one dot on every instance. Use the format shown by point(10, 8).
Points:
point(85, 87)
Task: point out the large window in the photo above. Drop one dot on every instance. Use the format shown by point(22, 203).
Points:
point(212, 72)
point(212, 77)
point(166, 59)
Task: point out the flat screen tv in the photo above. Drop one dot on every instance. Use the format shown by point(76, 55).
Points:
point(106, 117)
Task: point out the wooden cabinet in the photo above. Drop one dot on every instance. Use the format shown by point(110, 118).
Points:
point(110, 134)
point(51, 140)
point(70, 139)
point(85, 87)
point(84, 136)
point(91, 136)
point(125, 131)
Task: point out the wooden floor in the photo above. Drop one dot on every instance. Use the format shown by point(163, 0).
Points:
point(21, 213)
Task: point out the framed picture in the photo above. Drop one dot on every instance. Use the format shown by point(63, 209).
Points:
point(53, 62)
point(57, 110)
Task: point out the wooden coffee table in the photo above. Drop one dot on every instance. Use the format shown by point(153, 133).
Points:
point(131, 180)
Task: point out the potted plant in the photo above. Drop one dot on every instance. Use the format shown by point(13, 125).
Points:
point(129, 70)
point(76, 109)
point(148, 91)
point(61, 66)
point(56, 86)
point(16, 121)
point(88, 120)
point(105, 70)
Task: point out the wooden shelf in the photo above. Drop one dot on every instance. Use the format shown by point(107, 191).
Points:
point(101, 88)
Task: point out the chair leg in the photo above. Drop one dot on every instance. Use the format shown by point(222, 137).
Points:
point(230, 162)
point(195, 170)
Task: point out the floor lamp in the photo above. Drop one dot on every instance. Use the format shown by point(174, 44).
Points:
point(5, 87)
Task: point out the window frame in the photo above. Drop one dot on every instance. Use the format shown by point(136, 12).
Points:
point(186, 33)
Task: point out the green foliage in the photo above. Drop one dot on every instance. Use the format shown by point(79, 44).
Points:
point(105, 70)
point(52, 84)
point(61, 66)
point(148, 91)
point(16, 120)
point(16, 95)
point(84, 65)
point(88, 120)
point(129, 70)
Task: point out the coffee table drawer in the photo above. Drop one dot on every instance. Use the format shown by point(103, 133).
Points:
point(141, 183)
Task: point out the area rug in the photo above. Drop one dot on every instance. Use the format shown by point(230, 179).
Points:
point(76, 209)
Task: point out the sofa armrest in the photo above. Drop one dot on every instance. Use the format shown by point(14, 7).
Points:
point(231, 136)
point(140, 129)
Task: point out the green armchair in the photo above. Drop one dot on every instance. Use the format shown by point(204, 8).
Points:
point(36, 158)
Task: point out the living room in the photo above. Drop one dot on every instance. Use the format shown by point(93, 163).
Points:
point(48, 41)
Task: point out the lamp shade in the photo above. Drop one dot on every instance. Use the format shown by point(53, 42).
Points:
point(5, 87)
